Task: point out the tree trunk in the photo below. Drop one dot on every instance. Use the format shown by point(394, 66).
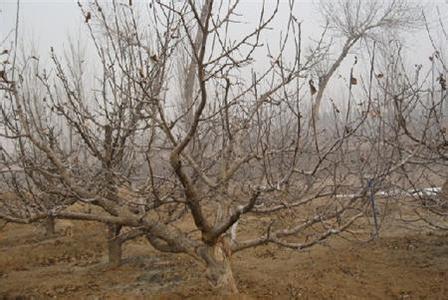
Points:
point(444, 191)
point(114, 245)
point(219, 272)
point(49, 224)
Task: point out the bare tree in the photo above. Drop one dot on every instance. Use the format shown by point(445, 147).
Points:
point(417, 97)
point(224, 148)
point(350, 23)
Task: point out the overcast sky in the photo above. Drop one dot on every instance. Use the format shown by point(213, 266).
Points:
point(46, 24)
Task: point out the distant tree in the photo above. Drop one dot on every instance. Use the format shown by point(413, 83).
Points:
point(418, 102)
point(351, 22)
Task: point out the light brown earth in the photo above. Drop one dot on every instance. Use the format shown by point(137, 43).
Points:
point(402, 264)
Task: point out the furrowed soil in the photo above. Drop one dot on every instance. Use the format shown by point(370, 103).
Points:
point(402, 264)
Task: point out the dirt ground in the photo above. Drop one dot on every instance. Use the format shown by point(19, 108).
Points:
point(403, 264)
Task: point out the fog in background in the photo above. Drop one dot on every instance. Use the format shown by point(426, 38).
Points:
point(46, 24)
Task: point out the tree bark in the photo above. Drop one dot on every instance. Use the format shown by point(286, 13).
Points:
point(445, 190)
point(49, 226)
point(325, 79)
point(218, 269)
point(114, 245)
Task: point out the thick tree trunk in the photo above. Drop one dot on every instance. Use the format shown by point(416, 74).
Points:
point(114, 245)
point(445, 190)
point(219, 272)
point(49, 226)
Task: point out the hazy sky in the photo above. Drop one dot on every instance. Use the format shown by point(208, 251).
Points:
point(45, 24)
point(48, 23)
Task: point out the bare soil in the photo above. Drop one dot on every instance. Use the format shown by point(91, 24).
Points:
point(403, 264)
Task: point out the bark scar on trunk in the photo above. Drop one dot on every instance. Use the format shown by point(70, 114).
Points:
point(218, 268)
